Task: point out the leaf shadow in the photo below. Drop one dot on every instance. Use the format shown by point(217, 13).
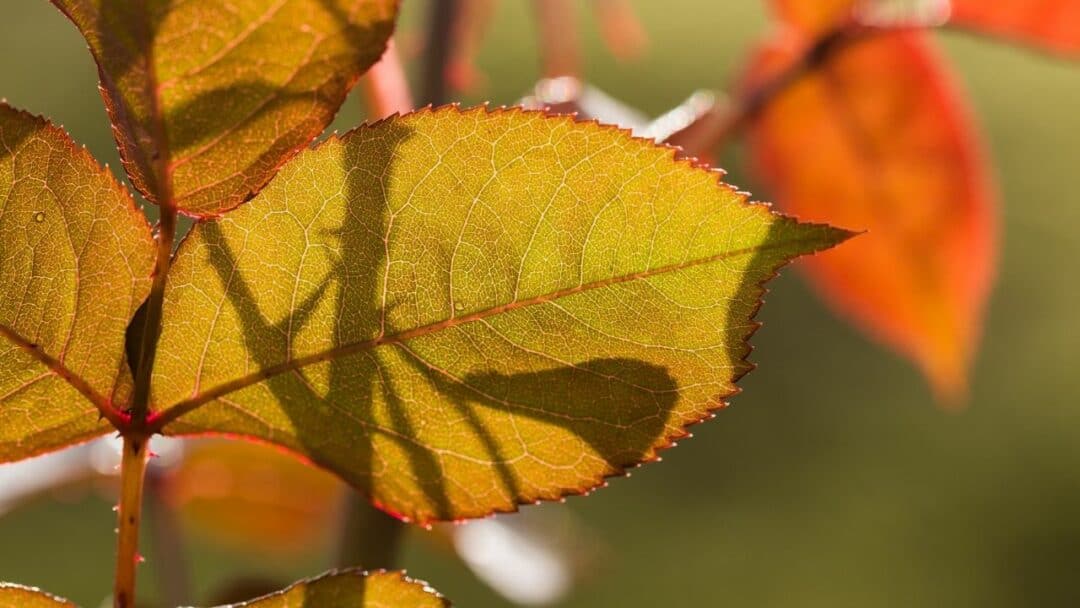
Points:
point(620, 408)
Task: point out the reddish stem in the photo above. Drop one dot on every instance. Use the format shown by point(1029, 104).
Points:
point(129, 513)
point(560, 48)
point(385, 86)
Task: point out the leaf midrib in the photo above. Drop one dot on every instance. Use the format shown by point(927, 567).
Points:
point(172, 413)
point(58, 369)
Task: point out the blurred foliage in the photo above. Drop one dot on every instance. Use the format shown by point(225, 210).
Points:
point(833, 480)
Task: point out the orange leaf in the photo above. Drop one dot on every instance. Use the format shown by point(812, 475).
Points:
point(812, 17)
point(254, 497)
point(879, 139)
point(1052, 24)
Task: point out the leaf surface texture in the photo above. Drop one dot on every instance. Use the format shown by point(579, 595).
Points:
point(209, 98)
point(459, 312)
point(75, 260)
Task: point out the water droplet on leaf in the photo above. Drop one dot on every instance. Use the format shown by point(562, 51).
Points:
point(39, 217)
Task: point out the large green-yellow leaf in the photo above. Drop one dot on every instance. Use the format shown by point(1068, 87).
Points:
point(75, 259)
point(458, 312)
point(18, 596)
point(353, 589)
point(208, 98)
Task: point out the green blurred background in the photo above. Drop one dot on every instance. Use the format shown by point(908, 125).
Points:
point(833, 480)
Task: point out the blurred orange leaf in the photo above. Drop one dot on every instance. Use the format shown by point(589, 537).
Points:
point(253, 496)
point(879, 139)
point(1052, 24)
point(812, 17)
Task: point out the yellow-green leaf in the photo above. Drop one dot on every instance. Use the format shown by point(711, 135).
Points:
point(209, 98)
point(459, 312)
point(18, 596)
point(75, 260)
point(353, 589)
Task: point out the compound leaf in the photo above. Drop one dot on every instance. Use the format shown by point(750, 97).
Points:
point(353, 589)
point(18, 596)
point(458, 312)
point(209, 98)
point(75, 263)
point(879, 138)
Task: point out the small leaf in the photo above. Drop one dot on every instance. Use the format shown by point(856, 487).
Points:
point(1050, 24)
point(458, 312)
point(879, 138)
point(353, 589)
point(18, 596)
point(75, 262)
point(209, 98)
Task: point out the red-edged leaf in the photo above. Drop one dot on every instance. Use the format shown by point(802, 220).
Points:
point(18, 596)
point(1051, 24)
point(878, 138)
point(209, 98)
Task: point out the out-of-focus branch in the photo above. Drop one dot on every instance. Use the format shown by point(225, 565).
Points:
point(560, 46)
point(621, 29)
point(369, 538)
point(727, 117)
point(467, 33)
point(441, 23)
point(170, 551)
point(385, 86)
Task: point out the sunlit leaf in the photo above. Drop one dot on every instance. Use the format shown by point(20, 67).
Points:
point(353, 589)
point(208, 98)
point(253, 497)
point(878, 138)
point(1051, 24)
point(75, 258)
point(18, 596)
point(460, 311)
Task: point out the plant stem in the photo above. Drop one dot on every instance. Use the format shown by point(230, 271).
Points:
point(132, 473)
point(152, 327)
point(369, 537)
point(560, 47)
point(385, 86)
point(166, 537)
point(441, 19)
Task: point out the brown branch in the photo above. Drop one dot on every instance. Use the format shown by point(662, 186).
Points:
point(441, 20)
